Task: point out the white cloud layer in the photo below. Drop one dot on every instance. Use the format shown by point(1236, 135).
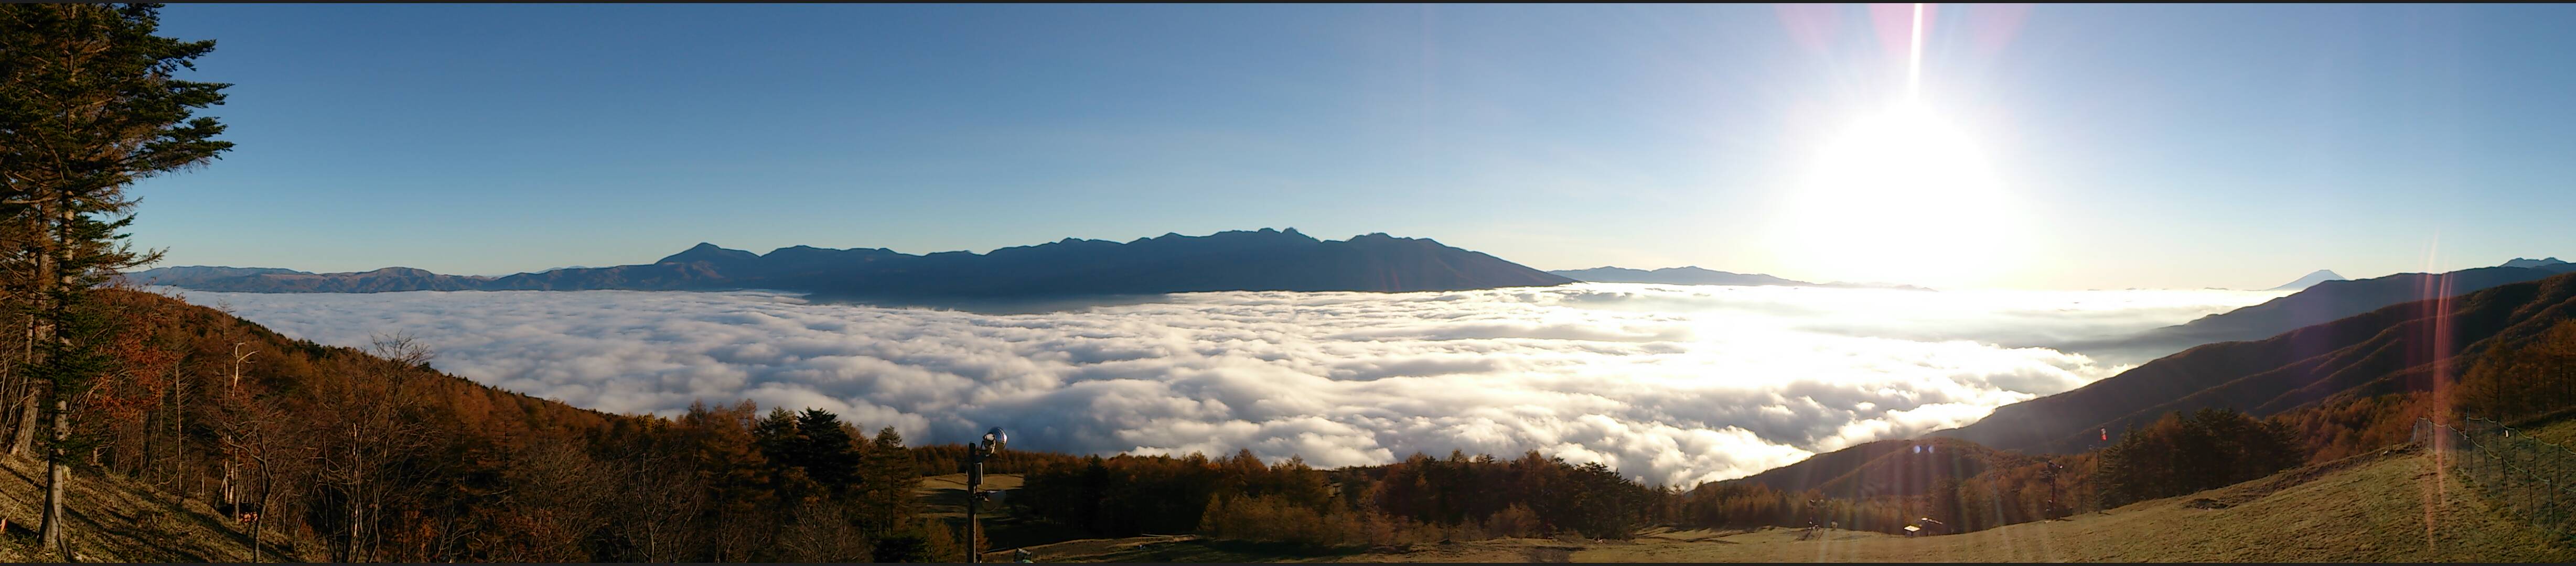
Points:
point(1670, 384)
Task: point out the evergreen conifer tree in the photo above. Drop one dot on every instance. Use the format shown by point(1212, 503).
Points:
point(90, 103)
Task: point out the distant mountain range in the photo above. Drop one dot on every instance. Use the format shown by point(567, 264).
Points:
point(1694, 275)
point(2388, 349)
point(2539, 263)
point(2319, 276)
point(1263, 260)
point(2321, 303)
point(180, 276)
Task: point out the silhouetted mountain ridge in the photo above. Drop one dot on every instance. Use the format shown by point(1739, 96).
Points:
point(1243, 260)
point(182, 276)
point(2324, 302)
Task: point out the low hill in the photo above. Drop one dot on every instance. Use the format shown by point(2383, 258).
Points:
point(2321, 303)
point(1263, 260)
point(2393, 347)
point(1886, 467)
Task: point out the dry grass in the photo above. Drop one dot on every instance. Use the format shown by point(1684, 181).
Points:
point(117, 521)
point(943, 497)
point(2388, 506)
point(2561, 432)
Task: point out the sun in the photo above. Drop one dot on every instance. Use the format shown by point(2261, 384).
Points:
point(1900, 194)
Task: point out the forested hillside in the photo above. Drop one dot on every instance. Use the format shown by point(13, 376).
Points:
point(2409, 347)
point(2512, 357)
point(2317, 304)
point(373, 455)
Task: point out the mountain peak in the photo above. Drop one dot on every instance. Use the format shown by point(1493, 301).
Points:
point(2310, 280)
point(709, 253)
point(2522, 262)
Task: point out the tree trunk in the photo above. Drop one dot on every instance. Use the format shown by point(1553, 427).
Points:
point(260, 519)
point(14, 391)
point(178, 431)
point(29, 406)
point(25, 439)
point(57, 476)
point(48, 278)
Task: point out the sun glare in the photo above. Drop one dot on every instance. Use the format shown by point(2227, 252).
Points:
point(1900, 194)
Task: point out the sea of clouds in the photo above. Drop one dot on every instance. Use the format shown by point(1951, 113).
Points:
point(1672, 384)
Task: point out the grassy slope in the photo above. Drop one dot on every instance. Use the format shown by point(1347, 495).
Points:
point(943, 497)
point(118, 521)
point(2561, 432)
point(2388, 506)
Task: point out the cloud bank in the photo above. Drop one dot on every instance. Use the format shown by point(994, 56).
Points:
point(1667, 383)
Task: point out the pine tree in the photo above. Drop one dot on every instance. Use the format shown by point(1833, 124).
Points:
point(827, 449)
point(89, 104)
point(887, 482)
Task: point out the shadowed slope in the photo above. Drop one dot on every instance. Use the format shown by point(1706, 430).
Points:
point(1886, 467)
point(2390, 349)
point(2324, 302)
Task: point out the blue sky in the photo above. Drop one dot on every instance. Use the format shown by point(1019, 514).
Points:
point(2137, 146)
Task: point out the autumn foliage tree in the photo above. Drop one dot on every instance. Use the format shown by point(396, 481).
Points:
point(90, 102)
point(1418, 500)
point(2534, 378)
point(2205, 449)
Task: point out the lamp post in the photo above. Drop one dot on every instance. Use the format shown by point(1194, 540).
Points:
point(2050, 511)
point(975, 455)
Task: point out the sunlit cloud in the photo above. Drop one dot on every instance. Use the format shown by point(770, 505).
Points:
point(1671, 384)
